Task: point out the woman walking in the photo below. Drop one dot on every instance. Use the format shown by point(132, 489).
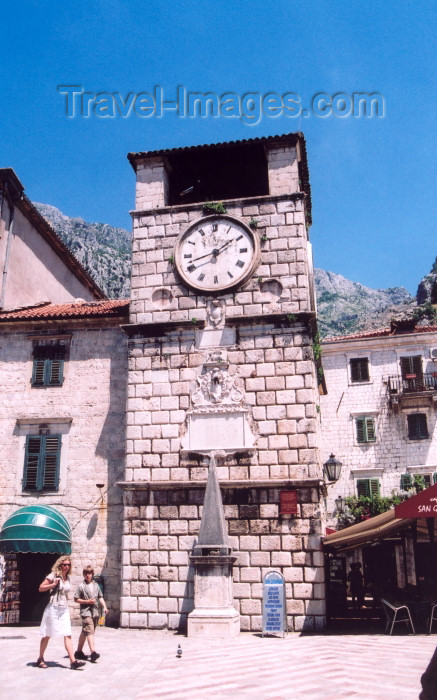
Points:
point(56, 619)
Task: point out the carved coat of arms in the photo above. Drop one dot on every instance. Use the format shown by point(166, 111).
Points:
point(216, 387)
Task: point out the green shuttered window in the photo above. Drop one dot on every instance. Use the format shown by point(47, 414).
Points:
point(407, 480)
point(41, 463)
point(367, 487)
point(48, 365)
point(366, 429)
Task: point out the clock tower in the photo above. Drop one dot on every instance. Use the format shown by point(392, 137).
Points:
point(223, 357)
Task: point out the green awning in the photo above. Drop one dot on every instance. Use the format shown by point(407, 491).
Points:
point(36, 529)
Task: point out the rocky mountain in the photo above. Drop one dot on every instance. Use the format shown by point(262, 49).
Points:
point(343, 306)
point(104, 251)
point(427, 289)
point(346, 307)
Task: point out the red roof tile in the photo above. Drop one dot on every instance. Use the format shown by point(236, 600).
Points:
point(380, 333)
point(80, 309)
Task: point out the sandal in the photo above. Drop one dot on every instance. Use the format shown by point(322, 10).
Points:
point(75, 665)
point(40, 663)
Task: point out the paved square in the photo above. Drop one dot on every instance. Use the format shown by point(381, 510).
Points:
point(142, 664)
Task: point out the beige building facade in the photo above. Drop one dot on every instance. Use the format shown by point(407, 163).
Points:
point(379, 415)
point(35, 264)
point(62, 437)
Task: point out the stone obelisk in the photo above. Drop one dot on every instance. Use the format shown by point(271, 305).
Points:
point(214, 615)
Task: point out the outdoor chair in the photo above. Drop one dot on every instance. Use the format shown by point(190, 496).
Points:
point(396, 612)
point(433, 616)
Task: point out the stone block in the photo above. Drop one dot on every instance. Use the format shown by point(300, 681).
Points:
point(148, 542)
point(138, 557)
point(277, 442)
point(180, 589)
point(281, 558)
point(293, 574)
point(287, 396)
point(241, 590)
point(168, 605)
point(170, 543)
point(250, 607)
point(138, 620)
point(158, 588)
point(158, 558)
point(259, 527)
point(157, 621)
point(270, 542)
point(250, 574)
point(168, 573)
point(302, 590)
point(148, 573)
point(128, 604)
point(147, 604)
point(159, 527)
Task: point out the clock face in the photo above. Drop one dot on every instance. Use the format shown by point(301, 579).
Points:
point(216, 253)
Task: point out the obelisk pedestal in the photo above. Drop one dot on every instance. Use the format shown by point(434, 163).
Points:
point(214, 615)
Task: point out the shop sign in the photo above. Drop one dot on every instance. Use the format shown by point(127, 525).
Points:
point(274, 604)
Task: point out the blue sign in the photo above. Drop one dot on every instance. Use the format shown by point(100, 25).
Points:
point(274, 604)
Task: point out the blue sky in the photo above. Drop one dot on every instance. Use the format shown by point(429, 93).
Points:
point(373, 180)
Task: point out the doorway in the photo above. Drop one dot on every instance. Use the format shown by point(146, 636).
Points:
point(33, 568)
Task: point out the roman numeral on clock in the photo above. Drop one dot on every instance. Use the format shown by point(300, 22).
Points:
point(230, 274)
point(188, 255)
point(191, 268)
point(215, 279)
point(239, 238)
point(201, 231)
point(243, 250)
point(201, 277)
point(214, 227)
point(239, 263)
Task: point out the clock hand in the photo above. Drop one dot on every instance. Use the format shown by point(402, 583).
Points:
point(214, 252)
point(217, 251)
point(202, 256)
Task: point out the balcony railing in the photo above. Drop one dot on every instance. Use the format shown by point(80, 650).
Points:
point(412, 384)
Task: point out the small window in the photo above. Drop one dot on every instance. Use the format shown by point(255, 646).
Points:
point(406, 482)
point(368, 488)
point(417, 426)
point(366, 429)
point(411, 369)
point(48, 365)
point(41, 463)
point(359, 369)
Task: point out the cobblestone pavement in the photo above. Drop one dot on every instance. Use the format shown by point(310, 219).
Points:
point(142, 664)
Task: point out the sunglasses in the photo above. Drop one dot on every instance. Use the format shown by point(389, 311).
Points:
point(65, 564)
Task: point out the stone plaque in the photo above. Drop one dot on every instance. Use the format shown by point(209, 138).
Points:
point(288, 503)
point(218, 431)
point(274, 604)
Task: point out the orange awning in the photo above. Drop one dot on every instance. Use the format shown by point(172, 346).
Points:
point(376, 528)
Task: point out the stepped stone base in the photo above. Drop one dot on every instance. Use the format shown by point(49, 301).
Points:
point(214, 623)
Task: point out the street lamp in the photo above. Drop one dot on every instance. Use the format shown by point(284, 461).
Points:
point(332, 468)
point(340, 504)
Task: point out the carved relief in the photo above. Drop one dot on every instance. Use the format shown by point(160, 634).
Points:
point(216, 387)
point(162, 298)
point(215, 313)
